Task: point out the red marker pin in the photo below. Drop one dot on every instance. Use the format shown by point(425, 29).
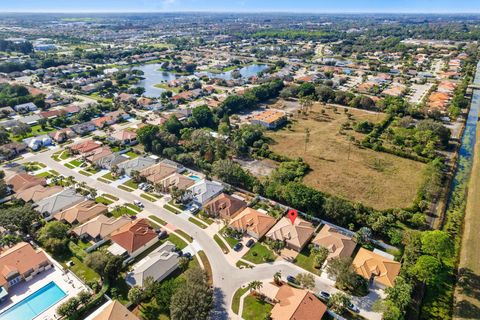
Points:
point(292, 215)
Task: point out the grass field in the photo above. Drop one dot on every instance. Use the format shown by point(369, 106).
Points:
point(236, 299)
point(376, 179)
point(255, 309)
point(259, 253)
point(467, 293)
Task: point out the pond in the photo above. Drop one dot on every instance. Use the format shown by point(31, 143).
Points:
point(152, 76)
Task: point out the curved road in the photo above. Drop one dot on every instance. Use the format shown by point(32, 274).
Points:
point(227, 278)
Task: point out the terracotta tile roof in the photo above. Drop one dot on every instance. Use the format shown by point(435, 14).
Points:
point(23, 181)
point(20, 259)
point(99, 153)
point(338, 245)
point(297, 304)
point(124, 135)
point(85, 146)
point(38, 192)
point(134, 235)
point(252, 220)
point(81, 212)
point(158, 172)
point(368, 264)
point(115, 311)
point(296, 234)
point(177, 180)
point(101, 226)
point(269, 116)
point(225, 206)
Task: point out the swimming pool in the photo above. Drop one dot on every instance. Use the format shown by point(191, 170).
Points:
point(34, 304)
point(195, 178)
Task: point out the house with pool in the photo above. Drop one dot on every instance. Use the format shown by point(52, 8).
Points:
point(20, 263)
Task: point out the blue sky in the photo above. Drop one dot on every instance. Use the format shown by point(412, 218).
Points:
point(327, 6)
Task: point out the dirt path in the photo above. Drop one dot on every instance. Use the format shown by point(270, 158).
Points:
point(467, 293)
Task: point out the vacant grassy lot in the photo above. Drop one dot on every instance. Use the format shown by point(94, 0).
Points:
point(467, 297)
point(340, 168)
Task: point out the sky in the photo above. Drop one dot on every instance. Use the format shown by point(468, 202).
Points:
point(309, 6)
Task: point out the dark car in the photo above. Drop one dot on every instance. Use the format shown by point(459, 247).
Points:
point(250, 243)
point(238, 247)
point(187, 255)
point(292, 279)
point(324, 295)
point(162, 234)
point(353, 308)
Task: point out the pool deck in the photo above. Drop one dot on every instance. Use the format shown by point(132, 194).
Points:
point(70, 284)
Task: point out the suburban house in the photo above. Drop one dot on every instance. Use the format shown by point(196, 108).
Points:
point(37, 193)
point(100, 227)
point(25, 107)
point(12, 150)
point(85, 146)
point(176, 180)
point(109, 161)
point(204, 190)
point(83, 128)
point(137, 164)
point(62, 135)
point(295, 235)
point(24, 181)
point(81, 212)
point(133, 238)
point(296, 304)
point(338, 244)
point(224, 206)
point(158, 172)
point(125, 137)
point(20, 262)
point(158, 265)
point(38, 142)
point(98, 154)
point(53, 204)
point(253, 222)
point(113, 310)
point(31, 120)
point(376, 267)
point(270, 119)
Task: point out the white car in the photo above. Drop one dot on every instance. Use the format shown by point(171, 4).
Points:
point(138, 203)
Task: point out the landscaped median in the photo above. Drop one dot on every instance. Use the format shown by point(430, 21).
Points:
point(220, 242)
point(236, 299)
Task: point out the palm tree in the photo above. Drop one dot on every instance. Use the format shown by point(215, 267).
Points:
point(254, 285)
point(277, 277)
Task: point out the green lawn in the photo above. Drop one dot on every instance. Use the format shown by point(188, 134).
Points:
point(131, 154)
point(179, 206)
point(134, 207)
point(109, 176)
point(197, 222)
point(82, 271)
point(171, 209)
point(259, 253)
point(231, 241)
point(76, 162)
point(236, 299)
point(104, 180)
point(124, 188)
point(69, 166)
point(206, 264)
point(85, 173)
point(255, 309)
point(109, 196)
point(103, 200)
point(184, 235)
point(147, 197)
point(45, 175)
point(242, 265)
point(222, 245)
point(123, 210)
point(157, 219)
point(131, 184)
point(176, 240)
point(305, 260)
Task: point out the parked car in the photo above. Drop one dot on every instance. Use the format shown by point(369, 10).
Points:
point(162, 234)
point(292, 279)
point(238, 246)
point(187, 255)
point(138, 203)
point(324, 295)
point(193, 209)
point(250, 243)
point(133, 217)
point(353, 308)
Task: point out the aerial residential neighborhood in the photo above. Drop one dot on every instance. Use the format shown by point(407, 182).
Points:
point(239, 160)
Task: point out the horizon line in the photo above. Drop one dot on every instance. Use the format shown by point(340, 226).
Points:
point(469, 12)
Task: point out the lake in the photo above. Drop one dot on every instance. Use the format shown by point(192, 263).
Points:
point(152, 76)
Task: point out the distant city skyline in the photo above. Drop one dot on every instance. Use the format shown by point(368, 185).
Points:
point(301, 6)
